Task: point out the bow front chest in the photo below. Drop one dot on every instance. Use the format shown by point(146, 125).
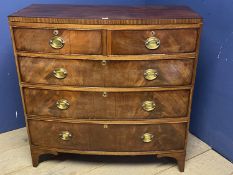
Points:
point(106, 80)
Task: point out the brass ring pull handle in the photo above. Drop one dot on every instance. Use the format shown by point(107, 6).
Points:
point(62, 104)
point(56, 42)
point(148, 106)
point(65, 135)
point(150, 74)
point(152, 43)
point(60, 73)
point(147, 137)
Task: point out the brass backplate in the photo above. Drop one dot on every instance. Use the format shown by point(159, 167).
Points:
point(56, 42)
point(152, 43)
point(147, 137)
point(65, 135)
point(60, 73)
point(148, 106)
point(150, 74)
point(62, 104)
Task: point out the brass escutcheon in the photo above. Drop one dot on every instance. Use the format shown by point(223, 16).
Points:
point(60, 73)
point(55, 32)
point(65, 135)
point(148, 106)
point(153, 33)
point(152, 43)
point(105, 94)
point(150, 74)
point(62, 104)
point(147, 137)
point(56, 42)
point(103, 62)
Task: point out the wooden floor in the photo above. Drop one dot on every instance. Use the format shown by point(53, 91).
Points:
point(15, 160)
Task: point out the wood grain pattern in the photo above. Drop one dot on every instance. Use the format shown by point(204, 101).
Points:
point(92, 105)
point(193, 81)
point(106, 14)
point(101, 26)
point(113, 138)
point(102, 121)
point(19, 79)
point(76, 41)
point(104, 89)
point(144, 57)
point(88, 73)
point(172, 41)
point(114, 120)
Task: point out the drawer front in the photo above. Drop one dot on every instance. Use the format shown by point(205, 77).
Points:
point(65, 42)
point(110, 105)
point(111, 137)
point(151, 42)
point(109, 74)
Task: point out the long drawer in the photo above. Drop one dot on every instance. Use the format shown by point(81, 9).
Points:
point(108, 74)
point(106, 105)
point(59, 41)
point(108, 137)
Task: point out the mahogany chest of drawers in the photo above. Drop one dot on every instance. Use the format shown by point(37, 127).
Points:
point(107, 80)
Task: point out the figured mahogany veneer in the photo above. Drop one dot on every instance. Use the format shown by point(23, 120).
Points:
point(117, 105)
point(126, 42)
point(107, 80)
point(113, 74)
point(37, 40)
point(172, 41)
point(114, 137)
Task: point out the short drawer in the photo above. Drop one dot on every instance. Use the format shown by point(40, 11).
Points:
point(132, 42)
point(106, 105)
point(58, 41)
point(108, 137)
point(106, 74)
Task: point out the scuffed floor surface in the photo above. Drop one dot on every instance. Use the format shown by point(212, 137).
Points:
point(15, 159)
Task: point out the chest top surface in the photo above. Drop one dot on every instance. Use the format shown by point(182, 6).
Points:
point(51, 13)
